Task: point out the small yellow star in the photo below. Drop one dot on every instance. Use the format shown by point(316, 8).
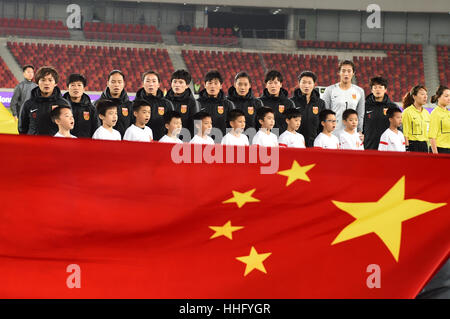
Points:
point(384, 217)
point(242, 198)
point(225, 230)
point(296, 172)
point(254, 261)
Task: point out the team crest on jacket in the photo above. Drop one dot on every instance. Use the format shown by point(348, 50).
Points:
point(183, 108)
point(250, 110)
point(86, 116)
point(220, 109)
point(33, 115)
point(315, 109)
point(354, 96)
point(281, 108)
point(161, 110)
point(124, 111)
point(385, 110)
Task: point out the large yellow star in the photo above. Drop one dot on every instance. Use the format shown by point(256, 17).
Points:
point(254, 261)
point(296, 172)
point(225, 230)
point(242, 198)
point(384, 217)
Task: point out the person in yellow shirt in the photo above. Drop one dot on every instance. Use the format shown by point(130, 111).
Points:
point(416, 119)
point(440, 122)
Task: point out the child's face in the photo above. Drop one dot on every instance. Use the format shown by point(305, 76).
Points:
point(396, 119)
point(178, 86)
point(65, 119)
point(294, 123)
point(238, 124)
point(378, 90)
point(174, 127)
point(351, 122)
point(268, 122)
point(110, 117)
point(330, 123)
point(206, 126)
point(143, 115)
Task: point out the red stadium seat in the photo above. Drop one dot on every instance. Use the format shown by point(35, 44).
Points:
point(94, 62)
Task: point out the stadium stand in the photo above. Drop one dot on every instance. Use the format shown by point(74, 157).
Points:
point(403, 66)
point(95, 62)
point(7, 80)
point(443, 64)
point(207, 36)
point(33, 28)
point(121, 32)
point(228, 64)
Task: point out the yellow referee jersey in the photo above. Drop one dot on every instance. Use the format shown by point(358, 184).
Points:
point(415, 124)
point(440, 127)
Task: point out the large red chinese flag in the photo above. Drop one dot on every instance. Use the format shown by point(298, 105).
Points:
point(127, 220)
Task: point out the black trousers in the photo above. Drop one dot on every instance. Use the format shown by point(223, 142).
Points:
point(418, 146)
point(442, 150)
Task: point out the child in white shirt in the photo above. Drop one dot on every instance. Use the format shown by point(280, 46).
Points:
point(290, 137)
point(107, 112)
point(235, 136)
point(392, 139)
point(63, 117)
point(172, 122)
point(203, 126)
point(326, 139)
point(349, 139)
point(266, 119)
point(139, 131)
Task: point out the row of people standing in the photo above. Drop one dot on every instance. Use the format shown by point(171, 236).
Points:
point(338, 97)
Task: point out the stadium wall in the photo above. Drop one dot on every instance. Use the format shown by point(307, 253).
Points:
point(326, 25)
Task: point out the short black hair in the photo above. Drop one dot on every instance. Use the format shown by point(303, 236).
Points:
point(347, 113)
point(103, 105)
point(76, 77)
point(213, 74)
point(309, 74)
point(151, 72)
point(272, 75)
point(170, 115)
point(200, 115)
point(138, 103)
point(56, 112)
point(26, 66)
point(234, 114)
point(391, 111)
point(116, 72)
point(292, 112)
point(346, 62)
point(262, 112)
point(324, 114)
point(242, 74)
point(378, 80)
point(181, 75)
